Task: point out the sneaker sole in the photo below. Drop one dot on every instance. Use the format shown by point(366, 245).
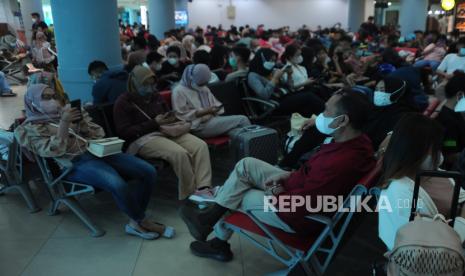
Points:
point(220, 258)
point(191, 227)
point(198, 199)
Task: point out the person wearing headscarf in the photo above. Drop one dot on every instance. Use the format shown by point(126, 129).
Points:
point(188, 43)
point(41, 55)
point(52, 130)
point(193, 102)
point(264, 80)
point(391, 104)
point(138, 115)
point(50, 79)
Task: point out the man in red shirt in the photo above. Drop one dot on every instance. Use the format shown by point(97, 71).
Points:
point(344, 158)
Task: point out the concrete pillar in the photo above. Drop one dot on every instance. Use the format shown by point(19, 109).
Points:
point(28, 7)
point(85, 30)
point(181, 5)
point(413, 15)
point(356, 14)
point(161, 16)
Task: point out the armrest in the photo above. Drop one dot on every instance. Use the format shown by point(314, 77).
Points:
point(65, 164)
point(271, 104)
point(320, 218)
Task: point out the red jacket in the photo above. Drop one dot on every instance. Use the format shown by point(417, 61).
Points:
point(334, 170)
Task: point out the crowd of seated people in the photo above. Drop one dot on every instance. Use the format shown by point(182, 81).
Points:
point(355, 89)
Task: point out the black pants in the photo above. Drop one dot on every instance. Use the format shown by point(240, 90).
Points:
point(311, 138)
point(305, 103)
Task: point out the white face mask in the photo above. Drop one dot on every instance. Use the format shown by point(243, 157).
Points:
point(158, 67)
point(322, 124)
point(298, 60)
point(50, 107)
point(382, 98)
point(460, 106)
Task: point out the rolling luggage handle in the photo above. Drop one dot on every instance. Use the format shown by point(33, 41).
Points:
point(443, 174)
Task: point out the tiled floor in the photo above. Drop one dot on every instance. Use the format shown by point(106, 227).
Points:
point(38, 244)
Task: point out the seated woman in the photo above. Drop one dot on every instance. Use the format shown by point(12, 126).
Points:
point(138, 115)
point(297, 78)
point(264, 81)
point(53, 130)
point(193, 102)
point(419, 139)
point(172, 68)
point(41, 55)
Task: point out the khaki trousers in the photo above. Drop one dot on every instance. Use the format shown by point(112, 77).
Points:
point(189, 157)
point(244, 191)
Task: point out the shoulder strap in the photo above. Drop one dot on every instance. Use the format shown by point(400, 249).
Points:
point(141, 111)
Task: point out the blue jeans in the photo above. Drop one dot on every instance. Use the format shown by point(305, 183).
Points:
point(110, 174)
point(424, 63)
point(4, 86)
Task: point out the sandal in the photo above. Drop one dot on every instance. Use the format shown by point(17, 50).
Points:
point(144, 235)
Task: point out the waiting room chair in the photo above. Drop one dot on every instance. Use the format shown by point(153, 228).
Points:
point(11, 171)
point(54, 171)
point(312, 253)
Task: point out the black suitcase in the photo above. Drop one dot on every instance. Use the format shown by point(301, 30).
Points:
point(256, 141)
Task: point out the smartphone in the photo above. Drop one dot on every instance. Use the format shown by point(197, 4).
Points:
point(77, 105)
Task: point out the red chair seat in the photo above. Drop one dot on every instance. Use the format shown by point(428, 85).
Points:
point(217, 141)
point(243, 221)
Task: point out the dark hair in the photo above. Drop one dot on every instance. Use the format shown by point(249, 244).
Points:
point(96, 65)
point(140, 42)
point(371, 18)
point(153, 56)
point(356, 106)
point(36, 14)
point(414, 136)
point(418, 32)
point(218, 54)
point(262, 55)
point(242, 52)
point(290, 51)
point(153, 42)
point(174, 49)
point(201, 57)
point(455, 85)
point(461, 41)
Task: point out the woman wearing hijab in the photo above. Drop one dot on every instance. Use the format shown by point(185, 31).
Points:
point(391, 104)
point(264, 80)
point(193, 102)
point(41, 55)
point(53, 130)
point(138, 115)
point(188, 43)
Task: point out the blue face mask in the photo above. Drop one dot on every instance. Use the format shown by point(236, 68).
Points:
point(462, 52)
point(145, 90)
point(323, 123)
point(269, 65)
point(233, 62)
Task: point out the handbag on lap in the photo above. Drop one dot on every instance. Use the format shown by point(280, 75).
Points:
point(428, 246)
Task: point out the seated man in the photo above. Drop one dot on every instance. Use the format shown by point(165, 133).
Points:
point(172, 68)
point(333, 170)
point(239, 61)
point(109, 84)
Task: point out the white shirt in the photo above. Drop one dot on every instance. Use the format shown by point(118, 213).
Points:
point(299, 74)
point(451, 63)
point(399, 195)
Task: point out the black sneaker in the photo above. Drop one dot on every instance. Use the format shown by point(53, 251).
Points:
point(190, 215)
point(214, 249)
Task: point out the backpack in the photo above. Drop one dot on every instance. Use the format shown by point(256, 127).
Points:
point(426, 246)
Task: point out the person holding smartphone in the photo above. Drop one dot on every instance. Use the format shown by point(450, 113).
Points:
point(54, 130)
point(193, 102)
